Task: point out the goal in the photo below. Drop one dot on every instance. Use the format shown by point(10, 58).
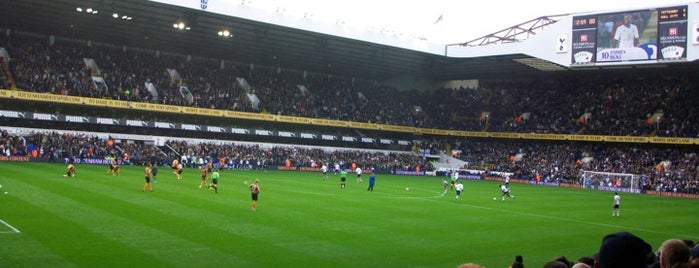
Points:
point(607, 181)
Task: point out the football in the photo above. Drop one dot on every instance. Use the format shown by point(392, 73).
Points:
point(495, 198)
point(407, 188)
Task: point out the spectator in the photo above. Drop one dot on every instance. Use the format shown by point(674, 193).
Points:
point(563, 260)
point(555, 264)
point(589, 261)
point(674, 253)
point(694, 256)
point(470, 265)
point(624, 249)
point(518, 263)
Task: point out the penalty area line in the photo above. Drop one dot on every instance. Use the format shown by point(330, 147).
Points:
point(14, 230)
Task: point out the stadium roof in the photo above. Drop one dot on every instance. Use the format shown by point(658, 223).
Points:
point(151, 26)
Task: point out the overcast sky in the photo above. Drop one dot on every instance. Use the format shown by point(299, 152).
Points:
point(461, 20)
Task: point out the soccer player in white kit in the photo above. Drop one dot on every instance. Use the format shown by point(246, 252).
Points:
point(359, 174)
point(459, 188)
point(445, 184)
point(505, 192)
point(324, 168)
point(617, 203)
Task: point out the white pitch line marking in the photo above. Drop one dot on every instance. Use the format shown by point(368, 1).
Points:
point(15, 230)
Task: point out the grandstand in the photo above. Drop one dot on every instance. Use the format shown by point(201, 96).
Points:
point(547, 101)
point(483, 62)
point(522, 84)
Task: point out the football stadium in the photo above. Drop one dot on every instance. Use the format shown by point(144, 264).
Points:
point(212, 134)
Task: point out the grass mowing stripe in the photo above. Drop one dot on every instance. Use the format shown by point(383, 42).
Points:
point(23, 249)
point(305, 221)
point(233, 220)
point(183, 208)
point(557, 207)
point(97, 186)
point(62, 236)
point(361, 236)
point(573, 220)
point(140, 238)
point(284, 240)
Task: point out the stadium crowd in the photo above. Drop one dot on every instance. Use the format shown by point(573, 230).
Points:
point(672, 169)
point(667, 169)
point(57, 147)
point(647, 104)
point(255, 157)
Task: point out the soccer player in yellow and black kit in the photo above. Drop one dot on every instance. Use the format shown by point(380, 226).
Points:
point(254, 192)
point(70, 170)
point(177, 167)
point(174, 164)
point(204, 171)
point(113, 167)
point(147, 185)
point(221, 164)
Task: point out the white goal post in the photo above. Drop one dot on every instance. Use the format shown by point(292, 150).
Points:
point(608, 181)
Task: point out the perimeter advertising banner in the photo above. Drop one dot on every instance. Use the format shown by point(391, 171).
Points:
point(190, 127)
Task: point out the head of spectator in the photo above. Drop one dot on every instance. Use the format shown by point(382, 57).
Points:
point(624, 249)
point(674, 253)
point(519, 258)
point(596, 258)
point(555, 264)
point(564, 260)
point(590, 261)
point(694, 251)
point(470, 265)
point(694, 256)
point(581, 265)
point(518, 263)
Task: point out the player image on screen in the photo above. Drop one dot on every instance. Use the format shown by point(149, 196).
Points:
point(627, 36)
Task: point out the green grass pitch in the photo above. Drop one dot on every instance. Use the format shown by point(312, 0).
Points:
point(99, 220)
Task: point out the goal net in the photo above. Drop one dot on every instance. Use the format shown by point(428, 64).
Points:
point(607, 181)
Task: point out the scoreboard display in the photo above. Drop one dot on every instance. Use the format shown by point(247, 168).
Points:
point(648, 36)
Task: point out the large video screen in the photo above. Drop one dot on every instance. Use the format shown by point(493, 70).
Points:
point(649, 35)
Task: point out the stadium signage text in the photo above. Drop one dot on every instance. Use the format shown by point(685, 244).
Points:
point(112, 121)
point(92, 161)
point(4, 158)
